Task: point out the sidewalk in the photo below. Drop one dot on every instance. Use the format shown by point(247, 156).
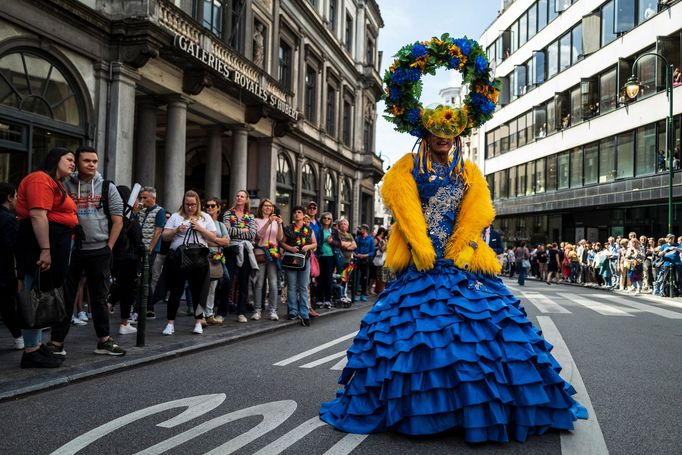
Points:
point(81, 363)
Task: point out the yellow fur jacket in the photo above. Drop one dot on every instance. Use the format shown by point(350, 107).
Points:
point(466, 247)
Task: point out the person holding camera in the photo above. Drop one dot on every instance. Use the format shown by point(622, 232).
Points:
point(268, 235)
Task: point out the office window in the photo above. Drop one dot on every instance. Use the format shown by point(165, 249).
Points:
point(668, 47)
point(563, 163)
point(607, 31)
point(561, 5)
point(576, 176)
point(235, 34)
point(591, 168)
point(514, 36)
point(504, 138)
point(608, 92)
point(506, 43)
point(539, 67)
point(311, 94)
point(607, 160)
point(498, 141)
point(212, 17)
point(540, 121)
point(565, 51)
point(646, 73)
point(349, 33)
point(333, 12)
point(521, 180)
point(589, 93)
point(369, 59)
point(540, 176)
point(347, 109)
point(368, 136)
point(519, 80)
point(552, 59)
point(504, 183)
point(576, 44)
point(490, 144)
point(512, 83)
point(647, 10)
point(551, 184)
point(576, 106)
point(523, 29)
point(513, 137)
point(330, 124)
point(512, 182)
point(521, 130)
point(553, 13)
point(625, 16)
point(284, 70)
point(542, 14)
point(499, 49)
point(551, 117)
point(645, 152)
point(529, 126)
point(530, 178)
point(562, 106)
point(591, 25)
point(625, 159)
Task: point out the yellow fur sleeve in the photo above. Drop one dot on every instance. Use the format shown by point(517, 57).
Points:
point(400, 194)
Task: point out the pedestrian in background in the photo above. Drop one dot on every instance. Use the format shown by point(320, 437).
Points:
point(9, 234)
point(522, 259)
point(152, 219)
point(216, 247)
point(325, 256)
point(269, 233)
point(363, 254)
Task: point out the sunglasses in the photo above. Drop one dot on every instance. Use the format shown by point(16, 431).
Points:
point(211, 206)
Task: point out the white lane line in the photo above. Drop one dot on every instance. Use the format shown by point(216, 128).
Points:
point(642, 306)
point(543, 303)
point(341, 365)
point(324, 360)
point(600, 308)
point(660, 300)
point(314, 350)
point(280, 445)
point(347, 444)
point(587, 436)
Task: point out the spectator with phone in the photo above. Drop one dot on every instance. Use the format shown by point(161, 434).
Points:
point(268, 235)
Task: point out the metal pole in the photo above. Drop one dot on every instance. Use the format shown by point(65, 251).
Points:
point(669, 148)
point(142, 315)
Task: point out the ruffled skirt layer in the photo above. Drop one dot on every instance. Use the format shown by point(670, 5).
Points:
point(447, 349)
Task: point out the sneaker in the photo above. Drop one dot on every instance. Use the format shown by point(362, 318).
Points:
point(273, 317)
point(241, 318)
point(363, 298)
point(83, 316)
point(168, 330)
point(305, 322)
point(42, 358)
point(151, 314)
point(255, 316)
point(109, 348)
point(198, 329)
point(219, 319)
point(293, 318)
point(126, 329)
point(19, 343)
point(78, 321)
point(54, 349)
point(211, 320)
point(133, 318)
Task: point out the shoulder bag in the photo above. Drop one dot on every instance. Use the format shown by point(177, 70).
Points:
point(293, 261)
point(192, 255)
point(314, 266)
point(38, 309)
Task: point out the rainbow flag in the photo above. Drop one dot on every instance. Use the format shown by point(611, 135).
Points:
point(345, 275)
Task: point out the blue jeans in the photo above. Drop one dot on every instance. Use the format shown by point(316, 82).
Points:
point(32, 337)
point(297, 292)
point(522, 273)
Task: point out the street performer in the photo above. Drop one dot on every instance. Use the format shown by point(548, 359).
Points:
point(446, 344)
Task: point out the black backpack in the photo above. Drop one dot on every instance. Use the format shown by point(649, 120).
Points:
point(129, 245)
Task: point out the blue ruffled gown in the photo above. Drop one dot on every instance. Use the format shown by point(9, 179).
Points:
point(447, 348)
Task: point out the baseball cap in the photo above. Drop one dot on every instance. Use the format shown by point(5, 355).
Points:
point(312, 204)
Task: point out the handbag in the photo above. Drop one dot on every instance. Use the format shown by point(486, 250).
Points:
point(38, 309)
point(293, 261)
point(216, 270)
point(379, 259)
point(525, 264)
point(192, 255)
point(314, 266)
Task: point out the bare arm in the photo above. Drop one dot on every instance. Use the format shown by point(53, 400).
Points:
point(312, 245)
point(116, 226)
point(155, 238)
point(42, 232)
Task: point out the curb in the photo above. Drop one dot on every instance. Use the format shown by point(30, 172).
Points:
point(208, 343)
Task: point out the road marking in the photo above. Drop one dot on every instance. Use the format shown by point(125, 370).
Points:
point(347, 444)
point(341, 365)
point(292, 437)
point(324, 360)
point(643, 306)
point(587, 436)
point(544, 303)
point(660, 300)
point(600, 308)
point(314, 350)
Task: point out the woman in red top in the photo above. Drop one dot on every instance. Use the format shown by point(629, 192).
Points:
point(47, 217)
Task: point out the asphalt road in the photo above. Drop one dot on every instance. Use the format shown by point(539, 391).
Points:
point(262, 395)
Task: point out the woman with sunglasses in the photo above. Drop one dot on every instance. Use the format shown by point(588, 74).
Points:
point(222, 240)
point(269, 234)
point(325, 255)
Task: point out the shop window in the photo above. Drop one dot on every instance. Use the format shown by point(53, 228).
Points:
point(576, 173)
point(562, 106)
point(645, 150)
point(284, 69)
point(647, 10)
point(330, 123)
point(565, 51)
point(624, 20)
point(607, 23)
point(333, 13)
point(591, 167)
point(512, 182)
point(589, 93)
point(311, 94)
point(532, 20)
point(329, 204)
point(530, 178)
point(552, 59)
point(523, 29)
point(608, 91)
point(521, 130)
point(625, 155)
point(542, 14)
point(349, 33)
point(577, 44)
point(563, 170)
point(521, 180)
point(552, 117)
point(347, 115)
point(607, 160)
point(513, 137)
point(576, 106)
point(591, 24)
point(540, 176)
point(552, 173)
point(540, 121)
point(519, 80)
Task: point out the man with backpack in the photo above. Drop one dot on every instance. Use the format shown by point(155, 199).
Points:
point(92, 254)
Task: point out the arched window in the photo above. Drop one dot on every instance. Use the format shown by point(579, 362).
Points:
point(309, 183)
point(346, 198)
point(285, 186)
point(41, 107)
point(329, 203)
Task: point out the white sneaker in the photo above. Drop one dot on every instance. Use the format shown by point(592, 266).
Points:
point(126, 329)
point(83, 316)
point(273, 317)
point(198, 329)
point(19, 343)
point(241, 318)
point(76, 321)
point(132, 318)
point(169, 330)
point(255, 316)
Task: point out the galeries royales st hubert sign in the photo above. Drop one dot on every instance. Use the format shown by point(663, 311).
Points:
point(221, 67)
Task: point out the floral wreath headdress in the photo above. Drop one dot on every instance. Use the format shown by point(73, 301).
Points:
point(404, 87)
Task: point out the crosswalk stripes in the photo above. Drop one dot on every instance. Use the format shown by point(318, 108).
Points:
point(543, 303)
point(641, 306)
point(660, 300)
point(309, 352)
point(599, 307)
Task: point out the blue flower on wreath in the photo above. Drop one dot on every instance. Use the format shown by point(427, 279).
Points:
point(463, 45)
point(403, 75)
point(419, 50)
point(480, 64)
point(453, 63)
point(417, 132)
point(413, 115)
point(482, 104)
point(395, 93)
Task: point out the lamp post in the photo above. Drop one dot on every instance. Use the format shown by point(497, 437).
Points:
point(632, 88)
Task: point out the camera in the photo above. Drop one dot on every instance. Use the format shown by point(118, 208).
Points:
point(277, 211)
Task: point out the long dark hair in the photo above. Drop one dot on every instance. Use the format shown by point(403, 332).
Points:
point(50, 166)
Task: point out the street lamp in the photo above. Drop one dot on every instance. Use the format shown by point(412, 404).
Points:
point(632, 88)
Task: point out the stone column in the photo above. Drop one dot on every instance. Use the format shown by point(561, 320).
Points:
point(360, 35)
point(238, 169)
point(214, 161)
point(320, 190)
point(274, 46)
point(301, 73)
point(174, 164)
point(120, 124)
point(356, 200)
point(145, 142)
point(298, 175)
point(267, 167)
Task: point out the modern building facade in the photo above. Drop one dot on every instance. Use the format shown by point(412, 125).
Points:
point(567, 155)
point(273, 96)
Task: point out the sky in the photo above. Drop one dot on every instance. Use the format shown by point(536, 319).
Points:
point(407, 21)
